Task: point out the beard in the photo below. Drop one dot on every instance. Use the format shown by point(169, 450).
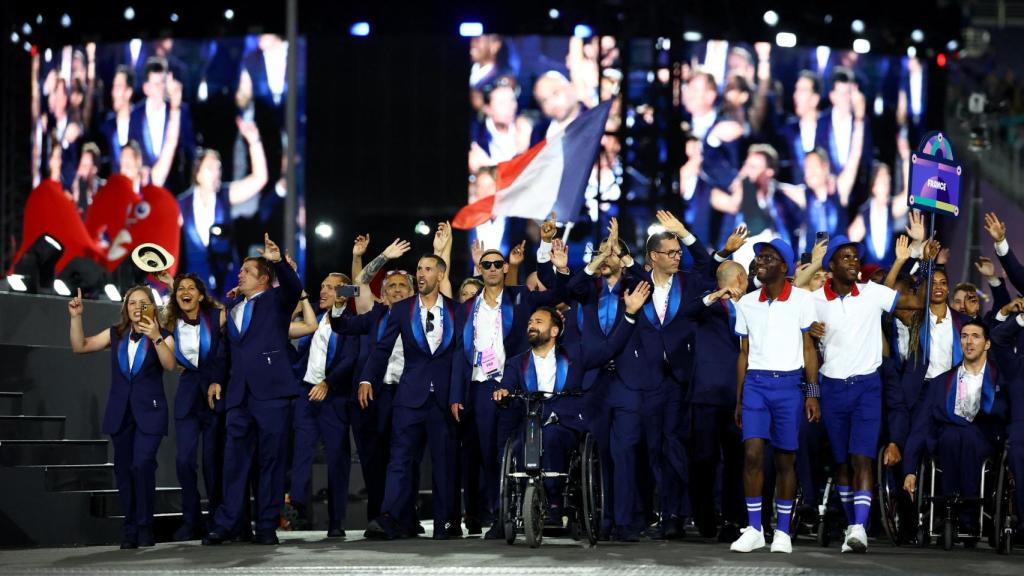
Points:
point(537, 339)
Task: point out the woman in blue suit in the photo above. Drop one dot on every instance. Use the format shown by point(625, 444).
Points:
point(136, 413)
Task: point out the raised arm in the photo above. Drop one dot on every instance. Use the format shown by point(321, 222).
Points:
point(164, 162)
point(307, 325)
point(848, 177)
point(515, 260)
point(245, 188)
point(804, 274)
point(364, 302)
point(80, 344)
point(997, 230)
point(443, 248)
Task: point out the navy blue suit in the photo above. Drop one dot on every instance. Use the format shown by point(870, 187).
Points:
point(713, 404)
point(327, 420)
point(136, 419)
point(215, 262)
point(825, 139)
point(138, 130)
point(791, 149)
point(195, 423)
point(1005, 351)
point(959, 446)
point(110, 142)
point(257, 399)
point(488, 425)
point(420, 408)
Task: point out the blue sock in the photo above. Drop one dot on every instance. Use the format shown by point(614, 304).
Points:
point(784, 510)
point(846, 498)
point(754, 513)
point(861, 506)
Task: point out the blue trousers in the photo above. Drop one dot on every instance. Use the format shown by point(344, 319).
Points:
point(256, 430)
point(205, 428)
point(327, 421)
point(598, 416)
point(960, 452)
point(633, 425)
point(135, 474)
point(676, 430)
point(488, 427)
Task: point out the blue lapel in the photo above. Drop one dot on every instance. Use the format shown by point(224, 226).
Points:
point(467, 330)
point(140, 356)
point(988, 392)
point(332, 345)
point(416, 326)
point(675, 297)
point(958, 353)
point(529, 370)
point(382, 324)
point(507, 314)
point(448, 310)
point(608, 306)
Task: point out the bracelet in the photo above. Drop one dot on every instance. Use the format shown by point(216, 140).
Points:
point(158, 341)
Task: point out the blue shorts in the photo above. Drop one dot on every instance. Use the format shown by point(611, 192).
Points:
point(851, 410)
point(772, 406)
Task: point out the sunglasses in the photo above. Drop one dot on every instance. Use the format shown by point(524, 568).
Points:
point(430, 322)
point(496, 264)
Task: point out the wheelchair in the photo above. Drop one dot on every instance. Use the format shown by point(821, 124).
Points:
point(524, 500)
point(938, 515)
point(889, 483)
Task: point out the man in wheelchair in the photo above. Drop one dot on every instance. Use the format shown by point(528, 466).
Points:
point(557, 370)
point(960, 423)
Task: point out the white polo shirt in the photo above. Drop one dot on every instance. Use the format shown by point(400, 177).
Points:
point(774, 328)
point(853, 327)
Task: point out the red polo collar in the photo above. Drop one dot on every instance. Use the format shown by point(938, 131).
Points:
point(783, 296)
point(831, 294)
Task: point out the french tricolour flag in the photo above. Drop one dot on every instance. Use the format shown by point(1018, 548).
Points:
point(551, 176)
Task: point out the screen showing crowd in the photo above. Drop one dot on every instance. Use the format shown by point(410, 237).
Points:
point(180, 142)
point(788, 141)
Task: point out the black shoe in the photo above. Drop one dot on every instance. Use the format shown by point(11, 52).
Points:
point(496, 532)
point(244, 536)
point(625, 535)
point(657, 532)
point(381, 528)
point(728, 533)
point(186, 533)
point(299, 519)
point(707, 528)
point(146, 539)
point(213, 539)
point(453, 531)
point(335, 533)
point(419, 529)
point(473, 527)
point(675, 529)
point(128, 544)
point(268, 539)
point(441, 535)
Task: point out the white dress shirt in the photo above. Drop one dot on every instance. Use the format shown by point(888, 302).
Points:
point(914, 99)
point(188, 341)
point(940, 357)
point(701, 125)
point(316, 365)
point(842, 132)
point(968, 393)
point(155, 118)
point(878, 222)
point(434, 336)
point(276, 62)
point(122, 130)
point(238, 312)
point(203, 215)
point(396, 364)
point(487, 333)
point(660, 297)
point(133, 350)
point(808, 135)
point(503, 144)
point(547, 371)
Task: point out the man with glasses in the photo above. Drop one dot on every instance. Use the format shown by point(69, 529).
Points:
point(425, 326)
point(773, 324)
point(850, 330)
point(493, 329)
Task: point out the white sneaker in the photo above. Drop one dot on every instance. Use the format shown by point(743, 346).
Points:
point(781, 542)
point(846, 540)
point(750, 539)
point(856, 539)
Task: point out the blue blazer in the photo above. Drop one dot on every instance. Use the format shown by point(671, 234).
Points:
point(258, 355)
point(573, 363)
point(138, 130)
point(937, 412)
point(1005, 346)
point(518, 303)
point(825, 139)
point(194, 381)
point(718, 347)
point(111, 145)
point(423, 369)
point(342, 354)
point(140, 387)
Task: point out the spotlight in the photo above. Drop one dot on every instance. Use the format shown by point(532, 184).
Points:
point(940, 60)
point(129, 13)
point(582, 31)
point(229, 14)
point(785, 39)
point(47, 55)
point(655, 229)
point(204, 91)
point(174, 16)
point(952, 45)
point(911, 52)
point(324, 230)
point(692, 36)
point(879, 105)
point(861, 46)
point(39, 19)
point(65, 21)
point(15, 37)
point(857, 26)
point(917, 36)
point(828, 18)
point(36, 266)
point(112, 292)
point(27, 46)
point(360, 29)
point(26, 28)
point(470, 29)
point(61, 288)
point(17, 282)
point(422, 228)
point(554, 13)
point(771, 18)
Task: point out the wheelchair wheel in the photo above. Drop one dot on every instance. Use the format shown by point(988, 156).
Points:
point(795, 516)
point(889, 488)
point(824, 535)
point(948, 533)
point(509, 488)
point(591, 490)
point(533, 514)
point(1002, 517)
point(924, 539)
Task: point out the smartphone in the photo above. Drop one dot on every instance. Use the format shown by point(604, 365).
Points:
point(149, 312)
point(805, 258)
point(821, 237)
point(347, 291)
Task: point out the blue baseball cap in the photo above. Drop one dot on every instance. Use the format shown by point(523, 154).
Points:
point(834, 244)
point(784, 250)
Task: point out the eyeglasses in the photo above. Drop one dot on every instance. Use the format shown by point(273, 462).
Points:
point(496, 264)
point(673, 254)
point(390, 273)
point(430, 322)
point(768, 258)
